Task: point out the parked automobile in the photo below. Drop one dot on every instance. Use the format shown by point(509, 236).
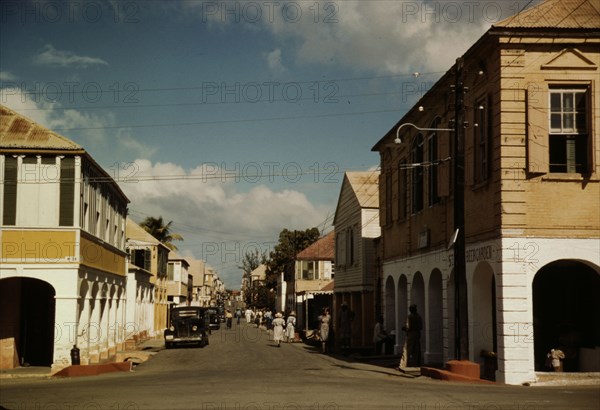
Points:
point(221, 310)
point(188, 326)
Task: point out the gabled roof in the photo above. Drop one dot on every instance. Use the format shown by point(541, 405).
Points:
point(321, 250)
point(364, 185)
point(21, 134)
point(18, 131)
point(557, 14)
point(139, 236)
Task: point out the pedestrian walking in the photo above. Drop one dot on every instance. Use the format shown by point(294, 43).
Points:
point(414, 325)
point(379, 335)
point(290, 327)
point(238, 316)
point(268, 318)
point(278, 324)
point(228, 318)
point(324, 320)
point(248, 314)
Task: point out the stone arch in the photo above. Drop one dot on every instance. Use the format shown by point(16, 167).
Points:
point(28, 326)
point(566, 313)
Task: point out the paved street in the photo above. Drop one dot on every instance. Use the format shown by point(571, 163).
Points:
point(243, 369)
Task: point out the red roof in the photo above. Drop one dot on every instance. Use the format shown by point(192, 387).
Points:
point(323, 249)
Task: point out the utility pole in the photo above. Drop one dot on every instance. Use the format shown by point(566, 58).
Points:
point(461, 329)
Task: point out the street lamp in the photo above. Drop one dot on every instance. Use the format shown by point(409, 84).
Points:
point(398, 140)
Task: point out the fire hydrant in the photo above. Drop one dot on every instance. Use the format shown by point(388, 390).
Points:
point(75, 355)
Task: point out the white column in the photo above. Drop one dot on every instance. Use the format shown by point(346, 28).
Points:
point(65, 325)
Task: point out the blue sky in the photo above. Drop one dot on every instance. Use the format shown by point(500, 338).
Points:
point(216, 114)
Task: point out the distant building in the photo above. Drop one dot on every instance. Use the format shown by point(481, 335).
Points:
point(178, 288)
point(313, 282)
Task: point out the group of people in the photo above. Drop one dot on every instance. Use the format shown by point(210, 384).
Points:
point(411, 352)
point(284, 329)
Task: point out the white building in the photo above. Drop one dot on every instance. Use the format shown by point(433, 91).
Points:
point(63, 261)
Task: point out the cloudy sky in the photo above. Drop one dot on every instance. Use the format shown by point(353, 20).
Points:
point(233, 119)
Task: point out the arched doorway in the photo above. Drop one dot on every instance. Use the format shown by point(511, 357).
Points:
point(27, 307)
point(566, 313)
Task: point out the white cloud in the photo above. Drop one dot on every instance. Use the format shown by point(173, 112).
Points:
point(49, 56)
point(89, 127)
point(274, 62)
point(391, 37)
point(203, 197)
point(7, 76)
point(219, 218)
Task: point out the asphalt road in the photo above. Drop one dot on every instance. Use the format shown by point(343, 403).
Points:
point(243, 369)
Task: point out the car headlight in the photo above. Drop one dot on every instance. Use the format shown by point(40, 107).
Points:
point(194, 328)
point(172, 329)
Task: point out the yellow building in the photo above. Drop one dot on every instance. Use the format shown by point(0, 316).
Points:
point(146, 283)
point(531, 145)
point(62, 257)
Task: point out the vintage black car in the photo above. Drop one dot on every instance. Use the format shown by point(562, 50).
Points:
point(214, 320)
point(188, 326)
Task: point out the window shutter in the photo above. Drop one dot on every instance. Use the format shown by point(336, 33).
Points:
point(443, 169)
point(147, 256)
point(67, 191)
point(537, 130)
point(10, 191)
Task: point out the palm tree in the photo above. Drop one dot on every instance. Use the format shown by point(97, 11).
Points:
point(161, 231)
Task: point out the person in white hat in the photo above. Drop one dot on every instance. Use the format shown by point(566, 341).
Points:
point(290, 327)
point(278, 324)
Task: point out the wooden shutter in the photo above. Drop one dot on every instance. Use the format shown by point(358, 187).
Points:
point(67, 191)
point(10, 191)
point(537, 130)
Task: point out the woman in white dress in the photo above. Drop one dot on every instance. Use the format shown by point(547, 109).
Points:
point(324, 320)
point(290, 328)
point(278, 324)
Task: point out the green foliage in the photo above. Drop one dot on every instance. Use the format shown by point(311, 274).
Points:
point(284, 254)
point(251, 261)
point(161, 231)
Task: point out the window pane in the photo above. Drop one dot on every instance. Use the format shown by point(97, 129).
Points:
point(555, 102)
point(568, 122)
point(568, 102)
point(555, 122)
point(580, 102)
